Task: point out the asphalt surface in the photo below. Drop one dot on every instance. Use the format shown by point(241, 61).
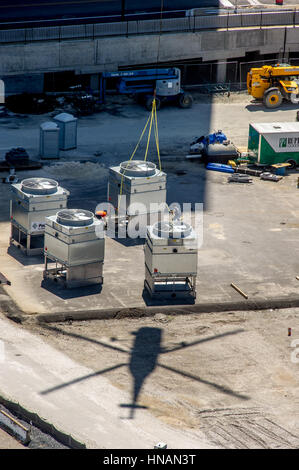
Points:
point(232, 251)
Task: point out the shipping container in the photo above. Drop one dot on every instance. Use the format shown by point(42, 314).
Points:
point(275, 142)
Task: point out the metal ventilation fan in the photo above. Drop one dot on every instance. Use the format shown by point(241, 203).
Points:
point(138, 168)
point(39, 186)
point(175, 229)
point(75, 217)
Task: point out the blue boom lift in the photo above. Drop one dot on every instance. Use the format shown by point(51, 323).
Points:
point(166, 83)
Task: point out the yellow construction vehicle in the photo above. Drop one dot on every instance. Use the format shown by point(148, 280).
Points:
point(273, 83)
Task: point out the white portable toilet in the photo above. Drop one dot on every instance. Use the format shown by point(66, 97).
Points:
point(67, 131)
point(49, 140)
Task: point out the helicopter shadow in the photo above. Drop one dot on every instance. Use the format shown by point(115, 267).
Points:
point(143, 360)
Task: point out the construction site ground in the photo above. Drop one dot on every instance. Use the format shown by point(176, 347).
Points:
point(228, 375)
point(224, 380)
point(206, 380)
point(250, 231)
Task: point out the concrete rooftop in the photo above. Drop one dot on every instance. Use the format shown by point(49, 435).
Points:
point(250, 230)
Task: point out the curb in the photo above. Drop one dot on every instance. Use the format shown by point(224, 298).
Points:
point(10, 309)
point(13, 427)
point(40, 423)
point(259, 304)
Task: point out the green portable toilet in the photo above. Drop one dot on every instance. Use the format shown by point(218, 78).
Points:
point(274, 142)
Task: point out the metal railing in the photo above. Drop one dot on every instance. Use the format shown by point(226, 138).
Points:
point(172, 25)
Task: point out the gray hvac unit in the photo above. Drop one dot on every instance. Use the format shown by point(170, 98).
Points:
point(171, 260)
point(49, 140)
point(137, 186)
point(74, 241)
point(32, 201)
point(67, 124)
point(140, 182)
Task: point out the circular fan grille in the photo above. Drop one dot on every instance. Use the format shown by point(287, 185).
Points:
point(138, 168)
point(174, 229)
point(75, 217)
point(39, 186)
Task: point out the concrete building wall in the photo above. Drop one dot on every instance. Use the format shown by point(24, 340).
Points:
point(25, 83)
point(95, 55)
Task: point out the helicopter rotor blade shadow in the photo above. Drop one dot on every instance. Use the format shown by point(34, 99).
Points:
point(203, 340)
point(80, 379)
point(143, 361)
point(221, 388)
point(85, 338)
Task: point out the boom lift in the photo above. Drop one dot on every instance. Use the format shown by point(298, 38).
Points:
point(165, 82)
point(273, 83)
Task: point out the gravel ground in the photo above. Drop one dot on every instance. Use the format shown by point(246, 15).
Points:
point(227, 374)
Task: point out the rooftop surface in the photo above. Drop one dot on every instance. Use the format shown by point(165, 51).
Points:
point(250, 231)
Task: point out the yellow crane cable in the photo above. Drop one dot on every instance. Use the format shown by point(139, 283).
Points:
point(151, 119)
point(157, 137)
point(140, 138)
point(131, 157)
point(150, 129)
point(154, 119)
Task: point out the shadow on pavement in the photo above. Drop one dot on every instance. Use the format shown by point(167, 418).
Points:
point(24, 259)
point(66, 294)
point(143, 360)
